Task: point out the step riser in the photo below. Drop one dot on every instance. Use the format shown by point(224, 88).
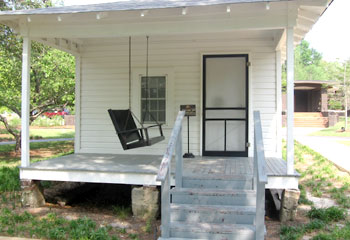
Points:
point(218, 184)
point(212, 217)
point(229, 200)
point(212, 235)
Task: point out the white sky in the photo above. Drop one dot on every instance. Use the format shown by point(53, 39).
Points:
point(330, 35)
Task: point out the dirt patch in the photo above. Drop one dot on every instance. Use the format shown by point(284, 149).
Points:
point(99, 204)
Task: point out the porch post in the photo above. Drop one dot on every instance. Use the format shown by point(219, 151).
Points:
point(77, 103)
point(25, 155)
point(290, 100)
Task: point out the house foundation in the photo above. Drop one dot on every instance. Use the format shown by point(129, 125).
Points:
point(32, 194)
point(289, 204)
point(145, 202)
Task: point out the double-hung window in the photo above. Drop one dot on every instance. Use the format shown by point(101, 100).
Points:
point(153, 99)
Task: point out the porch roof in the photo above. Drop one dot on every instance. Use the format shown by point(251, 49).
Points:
point(128, 5)
point(66, 28)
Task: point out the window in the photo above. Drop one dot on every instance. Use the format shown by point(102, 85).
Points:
point(153, 99)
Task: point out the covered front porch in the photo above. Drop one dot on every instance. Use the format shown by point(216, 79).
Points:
point(143, 169)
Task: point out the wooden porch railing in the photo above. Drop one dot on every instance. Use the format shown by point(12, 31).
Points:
point(164, 173)
point(260, 177)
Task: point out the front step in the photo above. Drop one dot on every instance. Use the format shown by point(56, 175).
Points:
point(213, 196)
point(215, 181)
point(212, 214)
point(211, 231)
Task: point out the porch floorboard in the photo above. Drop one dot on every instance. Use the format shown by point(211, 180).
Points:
point(142, 169)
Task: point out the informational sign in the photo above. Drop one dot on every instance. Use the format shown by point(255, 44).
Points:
point(189, 108)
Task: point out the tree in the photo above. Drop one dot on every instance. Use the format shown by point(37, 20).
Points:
point(51, 73)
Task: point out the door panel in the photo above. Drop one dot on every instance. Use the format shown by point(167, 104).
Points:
point(214, 136)
point(225, 101)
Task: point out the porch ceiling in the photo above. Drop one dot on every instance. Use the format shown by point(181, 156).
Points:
point(123, 19)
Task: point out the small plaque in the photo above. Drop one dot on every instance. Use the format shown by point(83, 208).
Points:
point(189, 108)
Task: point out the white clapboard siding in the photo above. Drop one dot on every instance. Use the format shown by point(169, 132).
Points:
point(104, 83)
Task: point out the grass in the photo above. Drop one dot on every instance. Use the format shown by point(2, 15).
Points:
point(122, 212)
point(320, 220)
point(9, 161)
point(333, 131)
point(52, 133)
point(52, 227)
point(47, 133)
point(322, 179)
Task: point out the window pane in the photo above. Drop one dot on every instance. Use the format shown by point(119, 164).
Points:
point(153, 105)
point(161, 93)
point(161, 82)
point(152, 116)
point(144, 105)
point(153, 92)
point(152, 82)
point(143, 93)
point(161, 104)
point(161, 116)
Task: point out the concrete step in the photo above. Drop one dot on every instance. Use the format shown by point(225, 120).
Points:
point(213, 196)
point(212, 214)
point(216, 181)
point(212, 231)
point(308, 114)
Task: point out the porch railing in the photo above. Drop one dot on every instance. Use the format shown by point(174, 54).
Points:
point(164, 173)
point(260, 177)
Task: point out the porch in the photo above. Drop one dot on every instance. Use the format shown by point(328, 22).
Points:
point(143, 169)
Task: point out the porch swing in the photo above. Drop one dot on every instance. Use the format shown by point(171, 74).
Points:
point(129, 134)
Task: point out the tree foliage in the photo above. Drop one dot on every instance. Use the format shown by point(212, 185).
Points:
point(51, 72)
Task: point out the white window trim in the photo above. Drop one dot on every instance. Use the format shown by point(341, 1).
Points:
point(169, 98)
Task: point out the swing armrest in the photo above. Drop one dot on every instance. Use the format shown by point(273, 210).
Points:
point(157, 125)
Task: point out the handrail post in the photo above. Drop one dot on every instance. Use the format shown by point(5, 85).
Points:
point(260, 177)
point(179, 160)
point(165, 205)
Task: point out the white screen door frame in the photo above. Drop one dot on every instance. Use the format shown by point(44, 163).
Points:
point(225, 105)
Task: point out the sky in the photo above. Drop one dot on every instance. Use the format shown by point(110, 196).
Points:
point(329, 36)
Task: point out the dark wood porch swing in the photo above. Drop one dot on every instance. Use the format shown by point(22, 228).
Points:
point(129, 134)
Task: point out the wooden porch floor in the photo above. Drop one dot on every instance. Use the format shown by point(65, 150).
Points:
point(142, 169)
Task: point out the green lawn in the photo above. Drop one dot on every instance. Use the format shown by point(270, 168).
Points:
point(42, 133)
point(334, 131)
point(52, 133)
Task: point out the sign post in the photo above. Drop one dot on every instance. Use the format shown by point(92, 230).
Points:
point(190, 110)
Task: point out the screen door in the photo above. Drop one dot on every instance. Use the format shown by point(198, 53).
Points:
point(225, 105)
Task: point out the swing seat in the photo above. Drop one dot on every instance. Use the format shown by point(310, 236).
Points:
point(129, 134)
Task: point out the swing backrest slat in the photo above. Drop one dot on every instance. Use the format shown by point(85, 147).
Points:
point(123, 121)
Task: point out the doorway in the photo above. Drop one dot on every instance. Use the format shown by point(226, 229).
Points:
point(225, 105)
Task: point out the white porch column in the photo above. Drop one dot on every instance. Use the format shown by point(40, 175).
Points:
point(25, 155)
point(77, 103)
point(290, 100)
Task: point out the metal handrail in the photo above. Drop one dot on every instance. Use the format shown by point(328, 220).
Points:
point(164, 172)
point(165, 164)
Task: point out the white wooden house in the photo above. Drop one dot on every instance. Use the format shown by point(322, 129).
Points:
point(224, 56)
